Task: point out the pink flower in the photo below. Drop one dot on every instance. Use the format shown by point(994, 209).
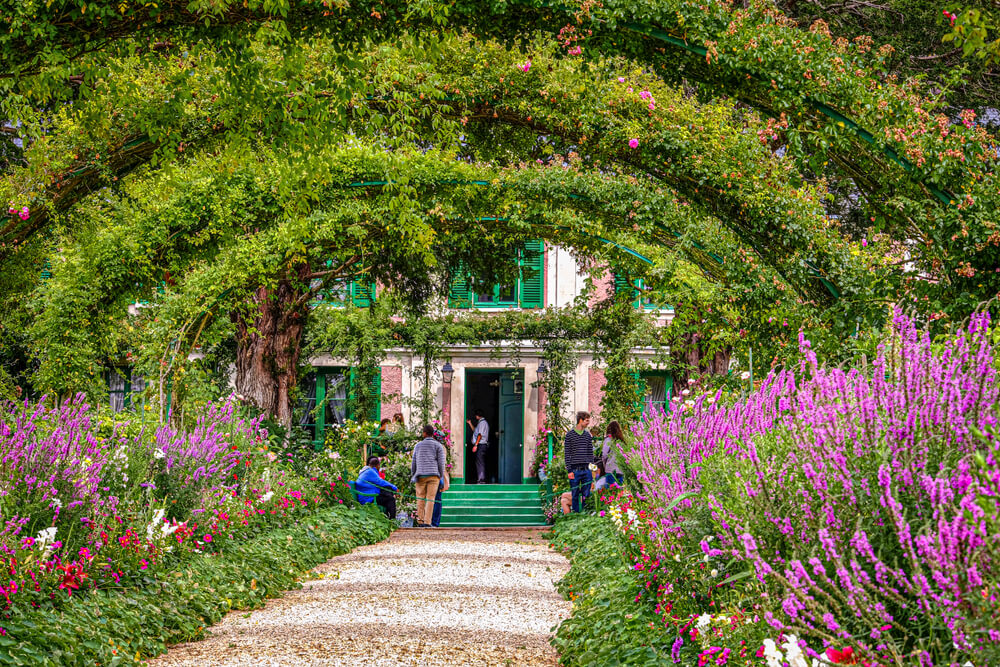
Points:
point(633, 143)
point(208, 538)
point(621, 79)
point(575, 51)
point(864, 243)
point(12, 210)
point(24, 215)
point(526, 66)
point(645, 95)
point(652, 106)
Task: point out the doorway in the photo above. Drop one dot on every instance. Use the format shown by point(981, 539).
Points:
point(499, 394)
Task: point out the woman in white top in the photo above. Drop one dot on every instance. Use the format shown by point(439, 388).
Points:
point(614, 440)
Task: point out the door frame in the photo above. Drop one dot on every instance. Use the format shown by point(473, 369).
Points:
point(465, 410)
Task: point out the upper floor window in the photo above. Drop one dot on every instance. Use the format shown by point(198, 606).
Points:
point(528, 291)
point(339, 293)
point(642, 298)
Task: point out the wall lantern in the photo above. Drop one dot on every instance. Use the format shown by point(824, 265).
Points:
point(543, 370)
point(447, 372)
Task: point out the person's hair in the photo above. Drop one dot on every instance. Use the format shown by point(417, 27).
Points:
point(478, 412)
point(384, 422)
point(615, 431)
point(600, 466)
point(428, 431)
point(581, 415)
point(373, 462)
point(398, 418)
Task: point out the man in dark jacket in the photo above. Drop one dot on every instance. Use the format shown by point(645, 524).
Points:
point(371, 487)
point(579, 451)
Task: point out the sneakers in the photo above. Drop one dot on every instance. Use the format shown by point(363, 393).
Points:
point(422, 525)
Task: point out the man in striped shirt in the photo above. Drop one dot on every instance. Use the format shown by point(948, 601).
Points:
point(579, 450)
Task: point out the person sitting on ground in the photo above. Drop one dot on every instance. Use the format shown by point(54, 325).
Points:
point(372, 488)
point(428, 468)
point(566, 502)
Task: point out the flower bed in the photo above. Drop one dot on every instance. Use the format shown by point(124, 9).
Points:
point(832, 517)
point(110, 627)
point(100, 510)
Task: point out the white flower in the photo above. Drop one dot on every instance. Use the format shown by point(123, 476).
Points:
point(685, 392)
point(155, 522)
point(703, 622)
point(745, 375)
point(267, 496)
point(55, 501)
point(45, 537)
point(690, 380)
point(793, 653)
point(771, 654)
point(715, 572)
point(159, 454)
point(677, 557)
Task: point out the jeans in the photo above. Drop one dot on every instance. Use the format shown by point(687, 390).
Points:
point(427, 487)
point(436, 514)
point(387, 502)
point(579, 486)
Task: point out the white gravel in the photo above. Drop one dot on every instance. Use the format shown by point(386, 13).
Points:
point(423, 597)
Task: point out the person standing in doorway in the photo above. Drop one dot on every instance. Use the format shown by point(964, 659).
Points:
point(480, 442)
point(579, 451)
point(428, 468)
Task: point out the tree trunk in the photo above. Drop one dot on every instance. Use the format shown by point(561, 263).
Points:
point(268, 344)
point(692, 357)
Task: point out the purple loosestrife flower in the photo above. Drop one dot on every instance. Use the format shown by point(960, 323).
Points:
point(865, 496)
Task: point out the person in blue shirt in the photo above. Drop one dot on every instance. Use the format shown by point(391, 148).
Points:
point(371, 487)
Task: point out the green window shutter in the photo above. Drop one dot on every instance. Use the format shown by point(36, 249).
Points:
point(460, 294)
point(622, 285)
point(362, 295)
point(533, 275)
point(376, 392)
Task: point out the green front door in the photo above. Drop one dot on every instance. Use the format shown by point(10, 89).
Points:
point(511, 427)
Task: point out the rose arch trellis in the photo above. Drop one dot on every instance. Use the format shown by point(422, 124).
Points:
point(825, 96)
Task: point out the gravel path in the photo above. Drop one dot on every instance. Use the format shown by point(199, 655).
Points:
point(422, 597)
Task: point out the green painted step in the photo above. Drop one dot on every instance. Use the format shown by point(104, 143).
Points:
point(486, 505)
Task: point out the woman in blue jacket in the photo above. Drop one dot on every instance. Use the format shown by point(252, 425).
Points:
point(371, 487)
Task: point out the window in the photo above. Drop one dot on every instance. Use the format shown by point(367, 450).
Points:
point(659, 387)
point(642, 299)
point(330, 388)
point(527, 292)
point(338, 293)
point(125, 388)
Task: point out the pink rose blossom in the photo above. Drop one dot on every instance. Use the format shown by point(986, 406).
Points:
point(633, 143)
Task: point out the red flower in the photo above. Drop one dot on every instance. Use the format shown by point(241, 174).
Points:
point(844, 657)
